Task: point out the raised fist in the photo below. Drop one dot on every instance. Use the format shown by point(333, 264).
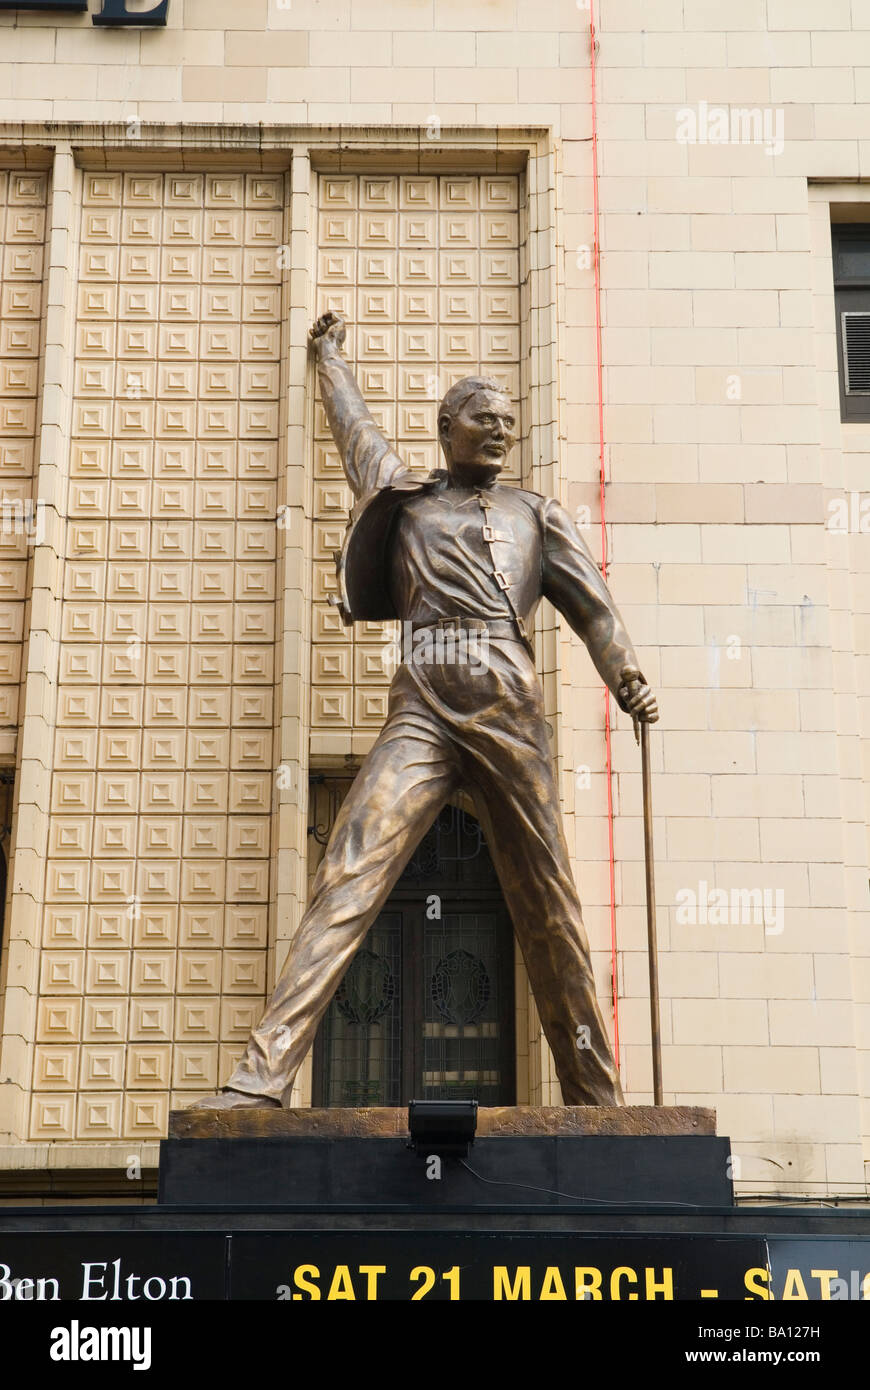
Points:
point(329, 331)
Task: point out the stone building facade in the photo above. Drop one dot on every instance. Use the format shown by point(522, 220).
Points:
point(177, 694)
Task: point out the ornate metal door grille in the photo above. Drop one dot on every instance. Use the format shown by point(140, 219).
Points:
point(426, 1008)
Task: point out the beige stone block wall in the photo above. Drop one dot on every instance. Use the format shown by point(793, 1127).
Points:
point(752, 693)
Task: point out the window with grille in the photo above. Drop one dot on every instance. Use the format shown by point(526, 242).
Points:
point(851, 252)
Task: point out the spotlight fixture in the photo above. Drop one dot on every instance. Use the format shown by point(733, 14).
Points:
point(443, 1127)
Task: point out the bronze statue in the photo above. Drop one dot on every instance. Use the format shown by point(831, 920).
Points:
point(454, 553)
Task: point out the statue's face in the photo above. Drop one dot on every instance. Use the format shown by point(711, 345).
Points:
point(477, 440)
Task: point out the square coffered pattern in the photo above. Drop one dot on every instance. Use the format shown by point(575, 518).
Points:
point(426, 272)
point(23, 196)
point(158, 876)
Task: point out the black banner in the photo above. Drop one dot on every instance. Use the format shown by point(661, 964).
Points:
point(817, 1269)
point(441, 1267)
point(103, 1267)
point(113, 12)
point(364, 1266)
point(68, 5)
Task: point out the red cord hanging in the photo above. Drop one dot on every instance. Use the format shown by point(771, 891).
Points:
point(596, 263)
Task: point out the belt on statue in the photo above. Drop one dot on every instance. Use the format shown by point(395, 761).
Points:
point(503, 628)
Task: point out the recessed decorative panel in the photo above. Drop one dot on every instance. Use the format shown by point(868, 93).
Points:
point(158, 880)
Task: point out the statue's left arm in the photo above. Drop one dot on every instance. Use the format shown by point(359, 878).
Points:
point(573, 584)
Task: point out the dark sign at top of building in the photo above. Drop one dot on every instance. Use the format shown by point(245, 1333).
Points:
point(112, 12)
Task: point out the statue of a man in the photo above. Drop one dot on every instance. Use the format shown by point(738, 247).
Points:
point(455, 553)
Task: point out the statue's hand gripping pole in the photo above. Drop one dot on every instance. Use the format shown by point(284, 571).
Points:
point(642, 708)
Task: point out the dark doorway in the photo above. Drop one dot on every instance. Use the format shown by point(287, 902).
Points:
point(426, 1007)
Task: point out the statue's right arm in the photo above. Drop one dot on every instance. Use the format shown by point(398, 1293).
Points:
point(368, 460)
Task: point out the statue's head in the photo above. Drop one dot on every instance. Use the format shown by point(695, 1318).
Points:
point(476, 430)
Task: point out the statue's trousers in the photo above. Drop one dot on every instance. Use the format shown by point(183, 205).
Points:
point(480, 726)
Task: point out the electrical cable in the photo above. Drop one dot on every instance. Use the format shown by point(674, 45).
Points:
point(575, 1197)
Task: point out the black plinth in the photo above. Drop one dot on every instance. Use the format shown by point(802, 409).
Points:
point(539, 1170)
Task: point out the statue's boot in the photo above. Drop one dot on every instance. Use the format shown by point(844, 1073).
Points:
point(228, 1099)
